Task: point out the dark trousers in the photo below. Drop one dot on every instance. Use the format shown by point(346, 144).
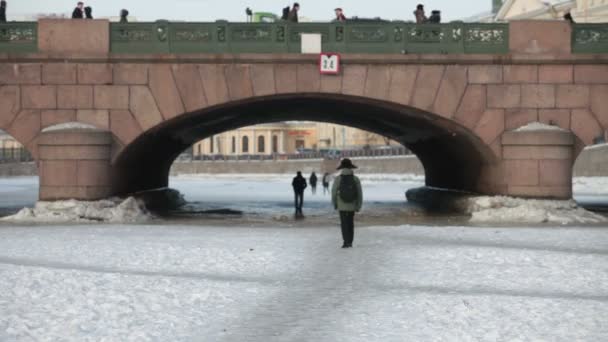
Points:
point(299, 201)
point(347, 222)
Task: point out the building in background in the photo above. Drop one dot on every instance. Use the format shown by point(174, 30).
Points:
point(583, 11)
point(8, 142)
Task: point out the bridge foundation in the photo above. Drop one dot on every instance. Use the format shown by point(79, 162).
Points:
point(75, 164)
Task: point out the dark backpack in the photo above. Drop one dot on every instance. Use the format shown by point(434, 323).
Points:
point(347, 191)
point(285, 13)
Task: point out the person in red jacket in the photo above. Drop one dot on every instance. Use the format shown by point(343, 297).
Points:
point(340, 14)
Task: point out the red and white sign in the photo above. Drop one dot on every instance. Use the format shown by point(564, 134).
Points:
point(329, 64)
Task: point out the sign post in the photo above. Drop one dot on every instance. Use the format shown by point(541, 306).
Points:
point(329, 64)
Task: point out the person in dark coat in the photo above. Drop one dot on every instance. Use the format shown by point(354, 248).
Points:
point(340, 15)
point(78, 11)
point(299, 185)
point(2, 11)
point(293, 14)
point(568, 17)
point(326, 180)
point(88, 12)
point(347, 198)
point(419, 14)
point(124, 14)
point(313, 183)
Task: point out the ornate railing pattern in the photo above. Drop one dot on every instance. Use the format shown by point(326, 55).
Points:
point(19, 37)
point(590, 38)
point(350, 37)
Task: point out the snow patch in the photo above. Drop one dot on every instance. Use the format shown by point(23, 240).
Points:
point(70, 125)
point(486, 209)
point(538, 126)
point(114, 210)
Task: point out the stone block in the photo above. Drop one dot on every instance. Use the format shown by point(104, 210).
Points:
point(94, 173)
point(403, 79)
point(556, 172)
point(99, 118)
point(58, 73)
point(66, 36)
point(190, 86)
point(10, 104)
point(74, 152)
point(556, 117)
point(353, 79)
point(130, 74)
point(451, 91)
point(26, 126)
point(239, 82)
point(427, 85)
point(111, 97)
point(84, 193)
point(519, 74)
point(504, 96)
point(378, 82)
point(591, 74)
point(39, 97)
point(515, 118)
point(309, 79)
point(599, 104)
point(549, 192)
point(521, 172)
point(95, 74)
point(214, 83)
point(143, 107)
point(58, 172)
point(537, 152)
point(485, 74)
point(535, 138)
point(540, 37)
point(585, 126)
point(72, 137)
point(491, 125)
point(74, 97)
point(56, 117)
point(573, 96)
point(472, 107)
point(19, 74)
point(262, 77)
point(331, 84)
point(285, 78)
point(556, 74)
point(124, 126)
point(165, 92)
point(538, 96)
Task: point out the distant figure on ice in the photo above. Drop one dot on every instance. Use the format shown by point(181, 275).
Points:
point(419, 14)
point(326, 181)
point(340, 15)
point(293, 14)
point(313, 183)
point(347, 198)
point(78, 11)
point(88, 12)
point(2, 11)
point(123, 16)
point(299, 185)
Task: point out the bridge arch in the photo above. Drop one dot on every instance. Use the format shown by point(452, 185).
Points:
point(453, 155)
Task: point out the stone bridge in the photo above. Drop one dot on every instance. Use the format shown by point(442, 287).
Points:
point(142, 96)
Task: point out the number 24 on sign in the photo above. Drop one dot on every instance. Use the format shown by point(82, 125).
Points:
point(329, 64)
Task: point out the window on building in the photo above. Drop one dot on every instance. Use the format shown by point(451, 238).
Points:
point(198, 148)
point(261, 144)
point(300, 144)
point(233, 145)
point(245, 145)
point(275, 144)
point(211, 145)
point(218, 144)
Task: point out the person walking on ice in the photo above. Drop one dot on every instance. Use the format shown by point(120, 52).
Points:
point(313, 183)
point(347, 198)
point(299, 185)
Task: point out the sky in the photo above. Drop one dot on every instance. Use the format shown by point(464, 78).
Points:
point(234, 10)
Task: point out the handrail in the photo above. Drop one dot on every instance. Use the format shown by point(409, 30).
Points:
point(589, 38)
point(19, 37)
point(284, 37)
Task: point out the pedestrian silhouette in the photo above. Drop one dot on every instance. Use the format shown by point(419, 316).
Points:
point(326, 181)
point(313, 183)
point(88, 11)
point(340, 15)
point(123, 16)
point(419, 14)
point(347, 198)
point(78, 11)
point(2, 11)
point(293, 14)
point(299, 185)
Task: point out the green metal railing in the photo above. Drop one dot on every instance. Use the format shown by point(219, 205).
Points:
point(590, 38)
point(19, 37)
point(282, 37)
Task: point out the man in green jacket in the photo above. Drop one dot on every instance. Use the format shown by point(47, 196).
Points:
point(347, 198)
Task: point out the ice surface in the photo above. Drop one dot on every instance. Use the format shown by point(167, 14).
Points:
point(177, 283)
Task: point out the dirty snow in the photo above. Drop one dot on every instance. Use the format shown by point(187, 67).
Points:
point(176, 283)
point(538, 126)
point(501, 209)
point(129, 210)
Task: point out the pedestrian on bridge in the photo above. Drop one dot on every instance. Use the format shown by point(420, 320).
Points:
point(420, 15)
point(124, 14)
point(78, 11)
point(88, 12)
point(2, 11)
point(293, 14)
point(313, 183)
point(299, 185)
point(347, 198)
point(340, 15)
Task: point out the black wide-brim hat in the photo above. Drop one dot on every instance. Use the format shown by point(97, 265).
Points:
point(346, 164)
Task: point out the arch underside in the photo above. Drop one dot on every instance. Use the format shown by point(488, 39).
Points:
point(452, 155)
